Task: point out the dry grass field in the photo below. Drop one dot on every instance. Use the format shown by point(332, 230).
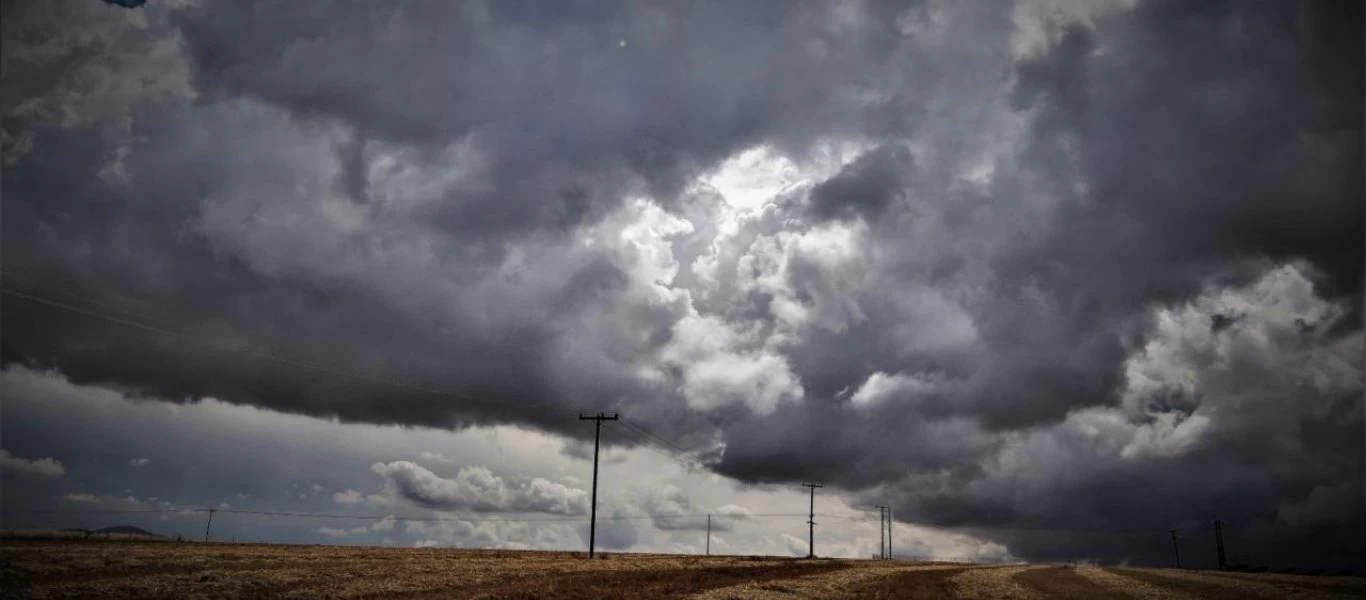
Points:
point(32, 568)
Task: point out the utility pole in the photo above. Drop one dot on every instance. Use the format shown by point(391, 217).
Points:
point(1219, 543)
point(597, 439)
point(1175, 549)
point(709, 534)
point(811, 521)
point(208, 525)
point(882, 532)
point(890, 554)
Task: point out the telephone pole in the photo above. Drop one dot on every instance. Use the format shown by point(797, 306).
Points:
point(208, 525)
point(1175, 549)
point(882, 532)
point(1219, 543)
point(597, 439)
point(890, 555)
point(708, 534)
point(811, 521)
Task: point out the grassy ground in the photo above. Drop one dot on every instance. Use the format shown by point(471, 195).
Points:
point(32, 568)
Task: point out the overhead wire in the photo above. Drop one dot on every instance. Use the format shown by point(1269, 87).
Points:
point(154, 324)
point(218, 345)
point(646, 443)
point(399, 518)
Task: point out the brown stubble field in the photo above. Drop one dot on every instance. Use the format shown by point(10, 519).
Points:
point(114, 569)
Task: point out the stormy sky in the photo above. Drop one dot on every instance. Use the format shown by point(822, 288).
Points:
point(1050, 278)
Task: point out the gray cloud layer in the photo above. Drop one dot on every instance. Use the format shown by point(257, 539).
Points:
point(453, 197)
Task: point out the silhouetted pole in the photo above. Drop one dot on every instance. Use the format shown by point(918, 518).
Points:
point(208, 525)
point(882, 532)
point(708, 535)
point(1219, 543)
point(890, 554)
point(597, 438)
point(811, 521)
point(1176, 550)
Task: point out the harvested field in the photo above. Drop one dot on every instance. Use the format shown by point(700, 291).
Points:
point(132, 569)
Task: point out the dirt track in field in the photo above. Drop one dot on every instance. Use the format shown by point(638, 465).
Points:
point(69, 569)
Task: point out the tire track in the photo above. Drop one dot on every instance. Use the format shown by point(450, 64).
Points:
point(869, 580)
point(1216, 587)
point(1065, 583)
point(994, 583)
point(1140, 590)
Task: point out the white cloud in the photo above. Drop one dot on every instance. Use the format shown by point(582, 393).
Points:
point(719, 369)
point(139, 462)
point(881, 386)
point(83, 498)
point(795, 545)
point(385, 524)
point(436, 457)
point(733, 511)
point(348, 497)
point(47, 467)
point(477, 488)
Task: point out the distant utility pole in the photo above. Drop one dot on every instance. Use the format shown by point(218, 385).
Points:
point(708, 534)
point(882, 532)
point(811, 521)
point(208, 525)
point(1219, 543)
point(1175, 549)
point(890, 554)
point(597, 438)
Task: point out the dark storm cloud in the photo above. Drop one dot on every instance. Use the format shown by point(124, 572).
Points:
point(569, 117)
point(430, 194)
point(564, 119)
point(864, 188)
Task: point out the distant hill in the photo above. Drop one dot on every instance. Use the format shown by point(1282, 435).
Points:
point(126, 529)
point(117, 529)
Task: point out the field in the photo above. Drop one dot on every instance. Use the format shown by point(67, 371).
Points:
point(33, 568)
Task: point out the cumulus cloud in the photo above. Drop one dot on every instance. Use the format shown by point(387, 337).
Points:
point(348, 497)
point(477, 488)
point(436, 457)
point(83, 498)
point(969, 254)
point(383, 525)
point(45, 467)
point(139, 462)
point(795, 545)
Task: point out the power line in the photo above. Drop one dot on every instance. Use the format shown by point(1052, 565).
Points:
point(450, 519)
point(640, 428)
point(646, 443)
point(218, 345)
point(647, 437)
point(643, 435)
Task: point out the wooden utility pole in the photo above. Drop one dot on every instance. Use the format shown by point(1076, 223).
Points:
point(709, 535)
point(811, 521)
point(208, 525)
point(1176, 550)
point(597, 439)
point(890, 555)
